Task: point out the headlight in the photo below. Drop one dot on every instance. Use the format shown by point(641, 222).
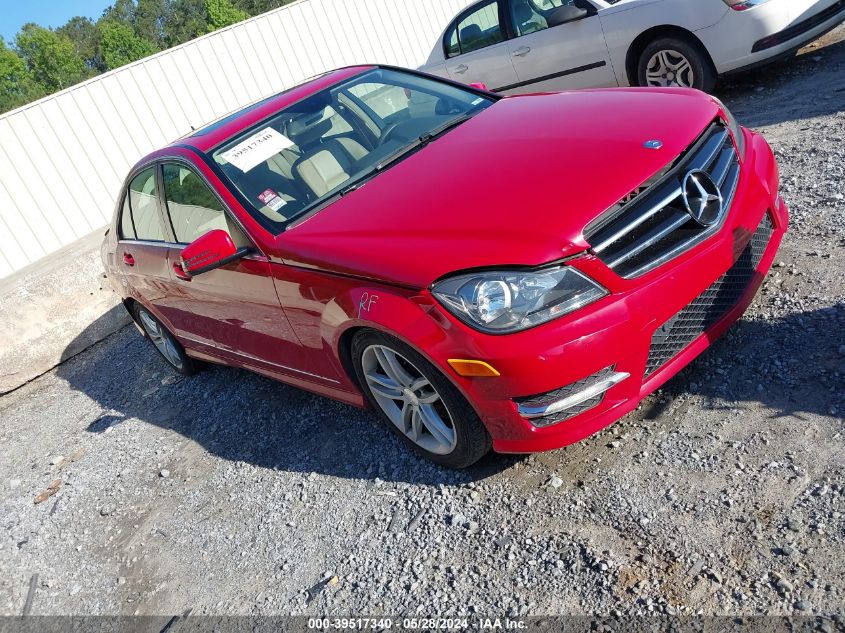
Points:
point(510, 301)
point(735, 127)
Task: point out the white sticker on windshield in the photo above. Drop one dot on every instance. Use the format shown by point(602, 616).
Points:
point(272, 199)
point(256, 149)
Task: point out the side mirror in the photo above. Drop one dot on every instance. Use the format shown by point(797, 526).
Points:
point(209, 251)
point(564, 14)
point(478, 85)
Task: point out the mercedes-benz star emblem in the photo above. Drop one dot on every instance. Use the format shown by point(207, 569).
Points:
point(702, 198)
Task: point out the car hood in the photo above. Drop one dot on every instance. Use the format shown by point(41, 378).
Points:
point(515, 185)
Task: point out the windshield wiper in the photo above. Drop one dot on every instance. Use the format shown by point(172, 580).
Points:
point(438, 131)
point(418, 142)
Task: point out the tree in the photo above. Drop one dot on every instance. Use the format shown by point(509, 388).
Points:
point(149, 20)
point(86, 41)
point(222, 13)
point(121, 11)
point(257, 7)
point(120, 44)
point(16, 84)
point(50, 57)
point(184, 21)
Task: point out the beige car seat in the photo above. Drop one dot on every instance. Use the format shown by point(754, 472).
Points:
point(325, 163)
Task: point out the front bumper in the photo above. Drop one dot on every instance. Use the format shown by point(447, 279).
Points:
point(745, 39)
point(618, 331)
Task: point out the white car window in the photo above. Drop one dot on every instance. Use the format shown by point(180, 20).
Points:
point(529, 16)
point(478, 30)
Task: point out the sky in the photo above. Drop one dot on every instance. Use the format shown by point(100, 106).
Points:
point(53, 13)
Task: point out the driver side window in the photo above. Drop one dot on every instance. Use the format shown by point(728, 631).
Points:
point(475, 31)
point(193, 208)
point(529, 16)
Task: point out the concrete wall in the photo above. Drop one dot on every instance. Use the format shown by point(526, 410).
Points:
point(62, 159)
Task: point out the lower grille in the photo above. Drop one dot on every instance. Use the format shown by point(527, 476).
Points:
point(760, 240)
point(711, 305)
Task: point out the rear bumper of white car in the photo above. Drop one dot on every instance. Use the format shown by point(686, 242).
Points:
point(744, 39)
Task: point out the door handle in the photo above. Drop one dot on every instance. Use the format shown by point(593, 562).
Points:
point(522, 51)
point(128, 259)
point(180, 272)
point(461, 69)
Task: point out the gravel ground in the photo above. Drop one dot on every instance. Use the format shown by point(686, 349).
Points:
point(230, 494)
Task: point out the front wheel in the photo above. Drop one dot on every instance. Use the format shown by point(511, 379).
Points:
point(675, 62)
point(418, 402)
point(165, 343)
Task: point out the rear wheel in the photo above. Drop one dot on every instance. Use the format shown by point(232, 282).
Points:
point(165, 343)
point(418, 402)
point(675, 61)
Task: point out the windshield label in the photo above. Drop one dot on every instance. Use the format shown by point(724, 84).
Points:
point(256, 149)
point(271, 199)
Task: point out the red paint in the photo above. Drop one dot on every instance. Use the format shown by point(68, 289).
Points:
point(515, 185)
point(206, 251)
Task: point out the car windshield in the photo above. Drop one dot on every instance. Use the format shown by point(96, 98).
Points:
point(320, 148)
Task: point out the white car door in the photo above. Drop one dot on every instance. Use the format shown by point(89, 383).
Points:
point(476, 50)
point(565, 56)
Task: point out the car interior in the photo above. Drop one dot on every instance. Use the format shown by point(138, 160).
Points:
point(525, 19)
point(336, 135)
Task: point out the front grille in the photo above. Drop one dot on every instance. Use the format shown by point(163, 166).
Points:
point(710, 306)
point(647, 230)
point(545, 399)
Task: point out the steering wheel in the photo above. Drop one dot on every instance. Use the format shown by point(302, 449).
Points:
point(387, 132)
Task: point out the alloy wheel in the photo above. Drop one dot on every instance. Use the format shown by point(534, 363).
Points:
point(670, 68)
point(160, 338)
point(409, 399)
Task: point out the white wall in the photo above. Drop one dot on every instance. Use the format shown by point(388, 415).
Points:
point(63, 159)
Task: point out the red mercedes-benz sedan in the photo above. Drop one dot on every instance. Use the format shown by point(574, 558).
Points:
point(514, 273)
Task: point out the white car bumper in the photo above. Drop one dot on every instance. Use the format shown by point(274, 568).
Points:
point(746, 38)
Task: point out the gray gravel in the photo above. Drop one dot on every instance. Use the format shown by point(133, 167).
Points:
point(228, 493)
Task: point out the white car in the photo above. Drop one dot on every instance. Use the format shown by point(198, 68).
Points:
point(515, 46)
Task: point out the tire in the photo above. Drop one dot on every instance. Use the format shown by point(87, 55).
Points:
point(661, 59)
point(455, 438)
point(165, 343)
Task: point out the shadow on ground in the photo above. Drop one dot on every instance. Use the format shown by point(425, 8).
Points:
point(787, 364)
point(811, 84)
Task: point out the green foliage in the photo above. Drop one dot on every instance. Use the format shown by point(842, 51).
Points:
point(257, 7)
point(184, 21)
point(222, 13)
point(120, 45)
point(86, 41)
point(50, 57)
point(16, 84)
point(149, 20)
point(44, 61)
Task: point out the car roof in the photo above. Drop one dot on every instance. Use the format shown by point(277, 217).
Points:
point(210, 136)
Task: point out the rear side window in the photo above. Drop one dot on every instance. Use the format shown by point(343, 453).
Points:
point(193, 208)
point(127, 230)
point(143, 203)
point(478, 30)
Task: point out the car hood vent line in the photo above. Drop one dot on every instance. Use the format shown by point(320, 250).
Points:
point(658, 222)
